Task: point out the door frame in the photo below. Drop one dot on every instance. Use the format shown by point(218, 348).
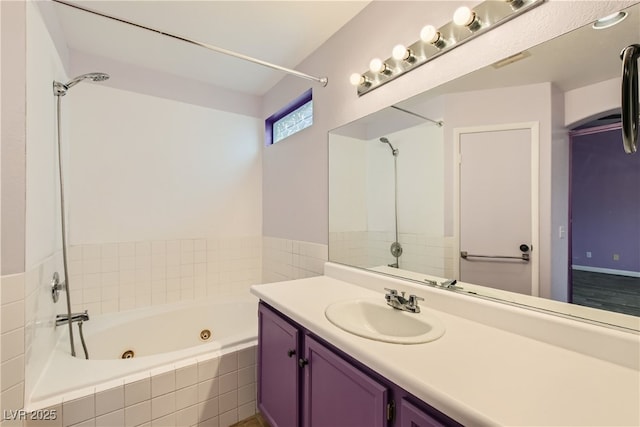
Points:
point(534, 128)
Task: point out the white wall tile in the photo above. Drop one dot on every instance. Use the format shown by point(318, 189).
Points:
point(228, 363)
point(163, 405)
point(12, 372)
point(187, 416)
point(12, 344)
point(228, 401)
point(228, 382)
point(12, 316)
point(208, 389)
point(246, 394)
point(228, 418)
point(78, 410)
point(12, 288)
point(247, 410)
point(208, 369)
point(163, 383)
point(109, 400)
point(207, 409)
point(137, 414)
point(137, 392)
point(186, 397)
point(112, 419)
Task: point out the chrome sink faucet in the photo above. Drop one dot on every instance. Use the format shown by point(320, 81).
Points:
point(399, 302)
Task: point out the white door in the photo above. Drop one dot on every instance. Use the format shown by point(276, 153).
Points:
point(497, 209)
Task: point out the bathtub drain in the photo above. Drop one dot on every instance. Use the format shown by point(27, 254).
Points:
point(205, 334)
point(128, 354)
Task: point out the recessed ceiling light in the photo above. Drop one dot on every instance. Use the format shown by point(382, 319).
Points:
point(609, 20)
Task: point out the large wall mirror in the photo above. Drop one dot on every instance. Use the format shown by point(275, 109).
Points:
point(512, 180)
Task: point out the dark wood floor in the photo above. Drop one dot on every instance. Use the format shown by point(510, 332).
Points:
point(607, 291)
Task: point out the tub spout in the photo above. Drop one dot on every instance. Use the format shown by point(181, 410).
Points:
point(62, 319)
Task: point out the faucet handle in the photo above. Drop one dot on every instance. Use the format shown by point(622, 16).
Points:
point(413, 299)
point(392, 292)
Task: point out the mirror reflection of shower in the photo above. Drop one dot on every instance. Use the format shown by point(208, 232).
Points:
point(60, 90)
point(396, 247)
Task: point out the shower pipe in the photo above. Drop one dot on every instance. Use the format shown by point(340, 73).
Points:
point(396, 247)
point(59, 90)
point(322, 80)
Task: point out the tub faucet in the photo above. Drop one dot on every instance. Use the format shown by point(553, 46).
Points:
point(399, 302)
point(62, 319)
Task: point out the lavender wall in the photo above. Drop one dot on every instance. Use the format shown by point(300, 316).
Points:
point(605, 202)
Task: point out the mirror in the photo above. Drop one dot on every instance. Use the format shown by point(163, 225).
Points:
point(474, 181)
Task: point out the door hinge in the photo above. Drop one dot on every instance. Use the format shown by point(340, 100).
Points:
point(391, 410)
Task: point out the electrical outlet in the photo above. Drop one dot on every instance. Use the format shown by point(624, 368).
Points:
point(616, 257)
point(588, 254)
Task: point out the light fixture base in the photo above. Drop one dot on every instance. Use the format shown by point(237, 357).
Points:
point(490, 14)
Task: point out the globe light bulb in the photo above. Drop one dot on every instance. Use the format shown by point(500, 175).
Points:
point(356, 79)
point(377, 66)
point(429, 34)
point(463, 16)
point(400, 52)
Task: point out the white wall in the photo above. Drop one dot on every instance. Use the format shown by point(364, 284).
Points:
point(304, 155)
point(348, 183)
point(147, 168)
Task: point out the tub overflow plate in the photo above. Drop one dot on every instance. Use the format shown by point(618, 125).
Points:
point(128, 354)
point(205, 334)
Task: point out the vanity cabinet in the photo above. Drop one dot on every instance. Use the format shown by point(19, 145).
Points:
point(304, 381)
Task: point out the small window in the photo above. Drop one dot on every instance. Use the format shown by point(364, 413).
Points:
point(293, 118)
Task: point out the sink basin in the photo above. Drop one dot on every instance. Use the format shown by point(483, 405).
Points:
point(374, 319)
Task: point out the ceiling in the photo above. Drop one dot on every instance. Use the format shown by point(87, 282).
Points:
point(280, 32)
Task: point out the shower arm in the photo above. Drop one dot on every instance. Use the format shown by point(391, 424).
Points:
point(322, 80)
point(630, 114)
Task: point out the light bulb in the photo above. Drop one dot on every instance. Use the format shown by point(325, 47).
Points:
point(400, 52)
point(356, 79)
point(463, 16)
point(377, 66)
point(429, 34)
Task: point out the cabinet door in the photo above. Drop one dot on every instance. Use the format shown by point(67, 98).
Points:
point(413, 416)
point(339, 395)
point(278, 382)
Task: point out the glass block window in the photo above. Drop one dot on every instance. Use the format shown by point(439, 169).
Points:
point(293, 118)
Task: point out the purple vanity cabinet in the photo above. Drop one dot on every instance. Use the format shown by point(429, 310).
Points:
point(278, 370)
point(305, 381)
point(413, 416)
point(337, 394)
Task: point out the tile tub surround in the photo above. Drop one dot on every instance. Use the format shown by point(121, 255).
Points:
point(113, 277)
point(422, 253)
point(284, 259)
point(207, 392)
point(12, 354)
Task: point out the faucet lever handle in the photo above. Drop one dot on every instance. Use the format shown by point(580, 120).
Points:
point(392, 292)
point(413, 299)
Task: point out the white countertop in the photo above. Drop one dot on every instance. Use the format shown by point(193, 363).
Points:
point(476, 374)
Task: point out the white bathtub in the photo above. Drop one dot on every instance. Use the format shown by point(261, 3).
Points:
point(162, 338)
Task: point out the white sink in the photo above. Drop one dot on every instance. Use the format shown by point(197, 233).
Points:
point(374, 319)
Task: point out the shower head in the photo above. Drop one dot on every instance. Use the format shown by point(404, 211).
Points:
point(394, 151)
point(60, 89)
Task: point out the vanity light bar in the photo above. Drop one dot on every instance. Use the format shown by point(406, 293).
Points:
point(467, 24)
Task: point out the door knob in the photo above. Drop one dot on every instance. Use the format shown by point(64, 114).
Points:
point(291, 352)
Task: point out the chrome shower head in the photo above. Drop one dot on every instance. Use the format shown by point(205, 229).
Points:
point(394, 151)
point(60, 89)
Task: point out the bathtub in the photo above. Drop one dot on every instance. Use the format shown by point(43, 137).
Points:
point(160, 339)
